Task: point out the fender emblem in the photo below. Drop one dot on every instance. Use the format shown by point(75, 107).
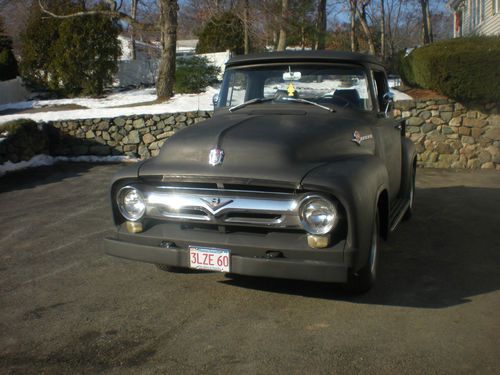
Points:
point(357, 138)
point(215, 156)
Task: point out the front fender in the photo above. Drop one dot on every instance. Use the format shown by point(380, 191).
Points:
point(121, 177)
point(357, 183)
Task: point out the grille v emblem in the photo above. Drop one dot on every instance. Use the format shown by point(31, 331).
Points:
point(216, 203)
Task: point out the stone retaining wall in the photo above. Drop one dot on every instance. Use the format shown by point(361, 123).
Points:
point(448, 135)
point(140, 136)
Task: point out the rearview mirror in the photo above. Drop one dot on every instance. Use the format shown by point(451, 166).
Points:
point(292, 76)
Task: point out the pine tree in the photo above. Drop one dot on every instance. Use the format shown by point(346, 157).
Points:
point(73, 56)
point(223, 32)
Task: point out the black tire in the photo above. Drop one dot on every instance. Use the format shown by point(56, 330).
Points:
point(172, 269)
point(409, 211)
point(364, 279)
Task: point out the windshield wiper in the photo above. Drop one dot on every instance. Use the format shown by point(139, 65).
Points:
point(308, 102)
point(251, 101)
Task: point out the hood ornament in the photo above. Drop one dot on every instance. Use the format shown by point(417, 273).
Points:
point(215, 156)
point(357, 138)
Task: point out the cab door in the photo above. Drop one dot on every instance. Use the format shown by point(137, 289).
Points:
point(388, 139)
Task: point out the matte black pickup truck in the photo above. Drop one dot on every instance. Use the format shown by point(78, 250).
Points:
point(298, 174)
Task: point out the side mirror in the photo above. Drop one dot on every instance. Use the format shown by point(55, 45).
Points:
point(215, 100)
point(388, 99)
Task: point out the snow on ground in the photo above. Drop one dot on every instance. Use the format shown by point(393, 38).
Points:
point(103, 108)
point(398, 95)
point(45, 160)
point(121, 104)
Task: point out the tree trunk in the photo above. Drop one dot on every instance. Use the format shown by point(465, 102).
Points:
point(283, 26)
point(353, 25)
point(425, 25)
point(132, 28)
point(321, 25)
point(382, 30)
point(246, 26)
point(429, 21)
point(166, 70)
point(366, 29)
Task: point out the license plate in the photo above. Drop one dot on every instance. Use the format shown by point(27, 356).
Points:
point(209, 258)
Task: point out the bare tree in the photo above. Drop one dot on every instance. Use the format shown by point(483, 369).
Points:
point(168, 27)
point(283, 25)
point(321, 24)
point(352, 8)
point(132, 26)
point(361, 10)
point(382, 30)
point(426, 22)
point(166, 71)
point(246, 20)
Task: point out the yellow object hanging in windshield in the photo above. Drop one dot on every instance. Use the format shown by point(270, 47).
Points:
point(291, 90)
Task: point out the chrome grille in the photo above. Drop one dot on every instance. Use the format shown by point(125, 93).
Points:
point(223, 206)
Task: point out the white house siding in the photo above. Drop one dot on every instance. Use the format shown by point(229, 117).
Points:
point(479, 17)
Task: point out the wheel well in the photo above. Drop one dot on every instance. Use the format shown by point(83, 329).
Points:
point(383, 212)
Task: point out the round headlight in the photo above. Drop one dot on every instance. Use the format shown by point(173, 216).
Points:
point(317, 214)
point(131, 203)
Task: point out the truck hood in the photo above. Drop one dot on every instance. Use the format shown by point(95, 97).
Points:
point(280, 145)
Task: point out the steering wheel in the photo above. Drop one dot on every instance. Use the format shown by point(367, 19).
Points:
point(337, 100)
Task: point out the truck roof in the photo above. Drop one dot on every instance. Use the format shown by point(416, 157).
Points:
point(309, 56)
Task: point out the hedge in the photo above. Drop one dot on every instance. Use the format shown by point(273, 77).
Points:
point(464, 69)
point(24, 140)
point(193, 74)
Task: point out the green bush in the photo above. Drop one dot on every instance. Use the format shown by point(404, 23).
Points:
point(222, 32)
point(465, 69)
point(193, 74)
point(24, 140)
point(73, 56)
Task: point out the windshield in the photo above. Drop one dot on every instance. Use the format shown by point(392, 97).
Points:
point(326, 84)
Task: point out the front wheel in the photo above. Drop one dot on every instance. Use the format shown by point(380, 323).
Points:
point(364, 279)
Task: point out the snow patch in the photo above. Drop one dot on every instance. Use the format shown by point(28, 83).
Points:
point(398, 95)
point(100, 108)
point(46, 160)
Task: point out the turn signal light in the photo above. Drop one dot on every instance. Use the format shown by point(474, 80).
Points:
point(134, 227)
point(318, 242)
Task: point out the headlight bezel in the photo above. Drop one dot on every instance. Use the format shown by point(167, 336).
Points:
point(120, 202)
point(331, 206)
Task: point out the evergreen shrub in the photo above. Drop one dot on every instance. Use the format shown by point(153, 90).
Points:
point(465, 69)
point(193, 74)
point(222, 32)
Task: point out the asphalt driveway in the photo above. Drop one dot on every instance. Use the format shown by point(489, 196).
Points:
point(66, 307)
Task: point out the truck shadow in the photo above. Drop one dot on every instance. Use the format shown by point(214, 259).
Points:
point(32, 177)
point(447, 254)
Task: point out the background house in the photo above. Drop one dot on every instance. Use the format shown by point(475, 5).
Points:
point(475, 17)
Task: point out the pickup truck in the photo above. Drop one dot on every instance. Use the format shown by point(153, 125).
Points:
point(299, 174)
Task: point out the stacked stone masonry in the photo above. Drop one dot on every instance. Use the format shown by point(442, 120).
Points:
point(448, 135)
point(137, 136)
